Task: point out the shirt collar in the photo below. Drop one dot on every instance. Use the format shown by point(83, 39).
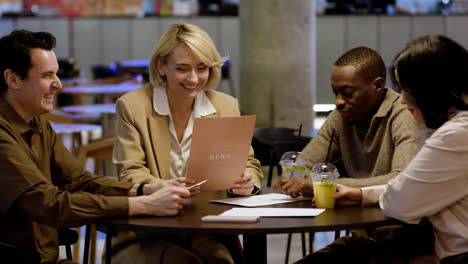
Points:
point(201, 108)
point(16, 121)
point(160, 101)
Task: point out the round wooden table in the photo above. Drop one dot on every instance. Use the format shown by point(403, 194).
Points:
point(188, 221)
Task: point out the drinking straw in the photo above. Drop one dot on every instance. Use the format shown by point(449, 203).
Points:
point(329, 146)
point(297, 142)
point(298, 137)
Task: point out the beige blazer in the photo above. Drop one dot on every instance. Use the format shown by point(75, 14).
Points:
point(142, 146)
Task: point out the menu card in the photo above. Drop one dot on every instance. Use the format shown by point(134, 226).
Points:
point(219, 150)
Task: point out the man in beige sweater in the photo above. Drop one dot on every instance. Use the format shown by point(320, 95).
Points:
point(372, 135)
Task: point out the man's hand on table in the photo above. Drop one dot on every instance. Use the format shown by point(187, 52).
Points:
point(185, 182)
point(179, 182)
point(166, 200)
point(294, 187)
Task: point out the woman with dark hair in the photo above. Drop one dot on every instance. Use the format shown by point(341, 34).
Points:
point(431, 74)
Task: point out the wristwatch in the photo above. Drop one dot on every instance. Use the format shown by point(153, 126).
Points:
point(140, 189)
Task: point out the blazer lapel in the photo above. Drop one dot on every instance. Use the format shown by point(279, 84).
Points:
point(161, 141)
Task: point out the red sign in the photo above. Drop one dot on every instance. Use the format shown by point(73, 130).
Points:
point(69, 8)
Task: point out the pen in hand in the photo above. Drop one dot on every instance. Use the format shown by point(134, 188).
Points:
point(196, 184)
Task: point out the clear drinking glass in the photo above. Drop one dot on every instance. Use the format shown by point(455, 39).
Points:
point(324, 177)
point(291, 166)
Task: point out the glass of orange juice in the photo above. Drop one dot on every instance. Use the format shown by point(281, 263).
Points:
point(324, 177)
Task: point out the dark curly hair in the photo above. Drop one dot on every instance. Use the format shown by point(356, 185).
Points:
point(432, 72)
point(15, 52)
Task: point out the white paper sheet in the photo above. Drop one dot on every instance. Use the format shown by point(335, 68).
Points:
point(274, 212)
point(261, 200)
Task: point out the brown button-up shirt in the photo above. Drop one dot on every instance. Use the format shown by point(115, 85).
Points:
point(43, 186)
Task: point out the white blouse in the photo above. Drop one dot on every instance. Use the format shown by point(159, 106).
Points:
point(434, 185)
point(180, 152)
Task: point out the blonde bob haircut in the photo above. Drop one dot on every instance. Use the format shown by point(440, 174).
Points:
point(198, 41)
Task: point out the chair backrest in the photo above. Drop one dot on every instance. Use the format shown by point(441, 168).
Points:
point(271, 134)
point(263, 139)
point(263, 142)
point(282, 146)
point(225, 72)
point(68, 237)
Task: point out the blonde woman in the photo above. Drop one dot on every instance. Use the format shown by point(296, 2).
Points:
point(153, 137)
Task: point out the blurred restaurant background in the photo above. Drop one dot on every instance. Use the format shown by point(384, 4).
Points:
point(98, 38)
point(281, 53)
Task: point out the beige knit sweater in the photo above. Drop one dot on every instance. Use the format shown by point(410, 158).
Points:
point(371, 156)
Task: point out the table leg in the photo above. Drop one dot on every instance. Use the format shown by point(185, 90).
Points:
point(86, 244)
point(108, 245)
point(255, 249)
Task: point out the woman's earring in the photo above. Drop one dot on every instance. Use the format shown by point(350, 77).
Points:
point(164, 77)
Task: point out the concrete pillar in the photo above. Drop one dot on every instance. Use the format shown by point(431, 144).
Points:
point(277, 61)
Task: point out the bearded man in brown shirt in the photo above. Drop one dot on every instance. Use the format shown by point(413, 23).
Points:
point(42, 186)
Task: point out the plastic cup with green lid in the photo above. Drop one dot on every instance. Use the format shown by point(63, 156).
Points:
point(324, 177)
point(291, 166)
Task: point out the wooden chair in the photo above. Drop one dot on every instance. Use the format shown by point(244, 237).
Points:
point(100, 150)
